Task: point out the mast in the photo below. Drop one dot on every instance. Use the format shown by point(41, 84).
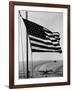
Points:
point(27, 48)
point(28, 72)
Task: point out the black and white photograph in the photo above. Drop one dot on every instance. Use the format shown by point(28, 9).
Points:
point(43, 32)
point(39, 44)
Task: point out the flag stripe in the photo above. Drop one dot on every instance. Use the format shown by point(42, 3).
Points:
point(43, 44)
point(52, 36)
point(49, 34)
point(41, 48)
point(52, 39)
point(47, 43)
point(53, 48)
point(35, 50)
point(37, 38)
point(43, 40)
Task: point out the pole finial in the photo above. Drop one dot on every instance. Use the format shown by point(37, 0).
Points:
point(20, 14)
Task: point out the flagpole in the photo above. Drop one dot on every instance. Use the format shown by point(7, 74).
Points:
point(27, 48)
point(28, 73)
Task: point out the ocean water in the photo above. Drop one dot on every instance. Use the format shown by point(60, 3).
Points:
point(38, 69)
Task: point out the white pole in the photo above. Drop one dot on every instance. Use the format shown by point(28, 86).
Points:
point(23, 73)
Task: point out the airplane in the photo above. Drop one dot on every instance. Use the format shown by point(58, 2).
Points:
point(46, 72)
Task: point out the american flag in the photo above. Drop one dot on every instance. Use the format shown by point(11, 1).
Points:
point(42, 39)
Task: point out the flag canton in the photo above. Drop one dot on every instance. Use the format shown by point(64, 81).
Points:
point(35, 29)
